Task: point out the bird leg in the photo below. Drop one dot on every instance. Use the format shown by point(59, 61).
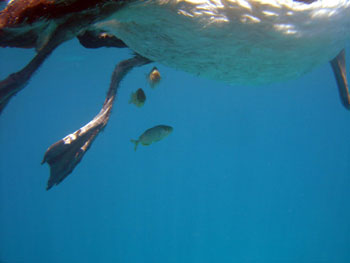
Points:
point(17, 81)
point(339, 68)
point(65, 154)
point(98, 38)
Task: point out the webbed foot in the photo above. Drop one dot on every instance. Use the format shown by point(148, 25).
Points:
point(64, 155)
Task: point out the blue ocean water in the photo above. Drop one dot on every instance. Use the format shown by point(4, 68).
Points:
point(249, 174)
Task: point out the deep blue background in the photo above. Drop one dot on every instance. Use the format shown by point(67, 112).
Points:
point(249, 174)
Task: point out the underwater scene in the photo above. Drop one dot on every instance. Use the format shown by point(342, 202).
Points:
point(187, 170)
point(249, 174)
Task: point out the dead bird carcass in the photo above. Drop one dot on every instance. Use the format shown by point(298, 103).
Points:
point(246, 42)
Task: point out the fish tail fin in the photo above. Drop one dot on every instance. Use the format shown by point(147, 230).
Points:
point(136, 142)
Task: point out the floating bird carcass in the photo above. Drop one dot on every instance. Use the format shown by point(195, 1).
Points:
point(237, 41)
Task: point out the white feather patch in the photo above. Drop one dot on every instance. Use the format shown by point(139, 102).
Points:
point(238, 41)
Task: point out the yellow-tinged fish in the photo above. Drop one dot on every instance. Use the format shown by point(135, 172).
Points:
point(152, 135)
point(154, 77)
point(138, 98)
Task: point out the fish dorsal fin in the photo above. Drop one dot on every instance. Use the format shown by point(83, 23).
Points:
point(339, 69)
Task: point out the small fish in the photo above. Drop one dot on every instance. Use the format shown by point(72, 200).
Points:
point(154, 77)
point(152, 135)
point(138, 98)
